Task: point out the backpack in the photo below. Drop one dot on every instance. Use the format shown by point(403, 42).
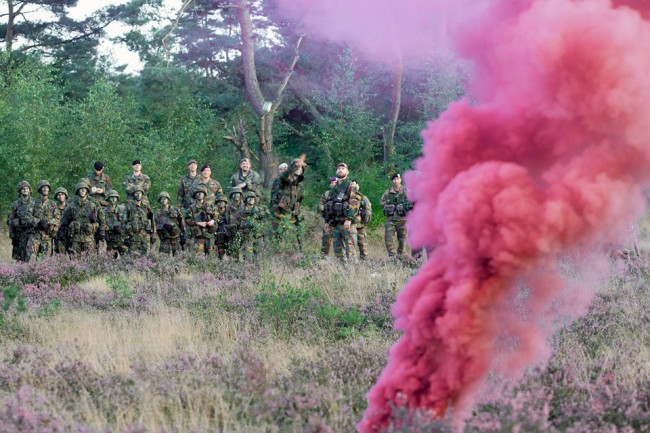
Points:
point(365, 210)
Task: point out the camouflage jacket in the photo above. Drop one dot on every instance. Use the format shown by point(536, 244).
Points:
point(252, 180)
point(46, 209)
point(201, 212)
point(342, 202)
point(130, 181)
point(213, 187)
point(288, 192)
point(21, 217)
point(139, 218)
point(250, 220)
point(184, 194)
point(395, 204)
point(226, 226)
point(365, 213)
point(115, 223)
point(170, 223)
point(81, 219)
point(321, 202)
point(102, 181)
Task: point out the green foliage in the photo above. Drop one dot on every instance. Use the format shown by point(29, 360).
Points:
point(11, 297)
point(122, 290)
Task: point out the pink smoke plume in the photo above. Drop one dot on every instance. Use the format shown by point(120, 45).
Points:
point(549, 157)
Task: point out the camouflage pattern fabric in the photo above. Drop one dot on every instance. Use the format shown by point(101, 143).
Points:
point(361, 220)
point(225, 233)
point(170, 226)
point(59, 240)
point(250, 222)
point(202, 237)
point(343, 205)
point(326, 240)
point(140, 226)
point(344, 242)
point(81, 220)
point(44, 210)
point(395, 229)
point(21, 226)
point(116, 229)
point(395, 206)
point(130, 181)
point(102, 181)
point(184, 194)
point(213, 187)
point(252, 180)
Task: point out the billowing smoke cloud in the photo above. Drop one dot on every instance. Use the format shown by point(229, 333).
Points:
point(548, 158)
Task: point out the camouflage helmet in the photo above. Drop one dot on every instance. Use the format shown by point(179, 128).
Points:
point(198, 189)
point(22, 184)
point(60, 190)
point(112, 193)
point(250, 194)
point(221, 197)
point(136, 188)
point(41, 184)
point(83, 183)
point(234, 190)
point(164, 194)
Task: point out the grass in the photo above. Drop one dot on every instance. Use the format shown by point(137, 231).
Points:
point(289, 344)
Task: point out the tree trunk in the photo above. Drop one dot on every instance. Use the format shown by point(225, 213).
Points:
point(9, 35)
point(396, 103)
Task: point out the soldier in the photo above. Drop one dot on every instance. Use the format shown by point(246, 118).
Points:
point(170, 225)
point(212, 186)
point(395, 206)
point(61, 197)
point(226, 227)
point(200, 217)
point(21, 224)
point(141, 227)
point(100, 184)
point(82, 221)
point(115, 217)
point(326, 239)
point(247, 179)
point(286, 199)
point(184, 195)
point(236, 199)
point(282, 167)
point(341, 209)
point(362, 219)
point(137, 178)
point(250, 221)
point(46, 222)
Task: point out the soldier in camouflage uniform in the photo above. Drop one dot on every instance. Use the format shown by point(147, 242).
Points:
point(250, 222)
point(141, 227)
point(200, 217)
point(395, 206)
point(184, 194)
point(285, 201)
point(247, 179)
point(100, 184)
point(362, 219)
point(61, 197)
point(235, 199)
point(82, 221)
point(20, 222)
point(226, 227)
point(115, 218)
point(170, 225)
point(212, 186)
point(46, 223)
point(326, 239)
point(340, 211)
point(137, 178)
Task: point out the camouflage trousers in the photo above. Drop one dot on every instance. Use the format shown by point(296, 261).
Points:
point(140, 242)
point(42, 245)
point(116, 248)
point(288, 231)
point(204, 245)
point(81, 246)
point(170, 246)
point(345, 242)
point(362, 242)
point(250, 246)
point(59, 246)
point(326, 240)
point(23, 247)
point(395, 228)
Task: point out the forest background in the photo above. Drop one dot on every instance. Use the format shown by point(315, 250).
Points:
point(206, 74)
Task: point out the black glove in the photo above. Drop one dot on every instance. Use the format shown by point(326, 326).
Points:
point(101, 235)
point(42, 225)
point(117, 229)
point(92, 218)
point(128, 242)
point(168, 227)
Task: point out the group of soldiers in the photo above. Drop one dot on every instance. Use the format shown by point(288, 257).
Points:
point(204, 219)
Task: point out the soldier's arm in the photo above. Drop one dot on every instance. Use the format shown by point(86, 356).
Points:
point(219, 189)
point(384, 199)
point(126, 183)
point(353, 204)
point(147, 183)
point(109, 184)
point(180, 195)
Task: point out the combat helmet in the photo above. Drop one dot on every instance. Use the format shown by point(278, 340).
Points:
point(200, 188)
point(112, 193)
point(250, 194)
point(41, 184)
point(221, 197)
point(164, 194)
point(137, 188)
point(22, 184)
point(234, 190)
point(61, 190)
point(83, 183)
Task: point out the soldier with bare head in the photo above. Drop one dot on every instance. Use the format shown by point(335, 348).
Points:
point(184, 194)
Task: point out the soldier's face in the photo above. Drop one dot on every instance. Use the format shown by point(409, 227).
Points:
point(112, 200)
point(137, 168)
point(200, 196)
point(236, 197)
point(250, 201)
point(45, 190)
point(341, 171)
point(245, 165)
point(137, 195)
point(221, 205)
point(397, 182)
point(207, 172)
point(60, 197)
point(192, 167)
point(164, 201)
point(98, 172)
point(332, 183)
point(25, 190)
point(82, 192)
